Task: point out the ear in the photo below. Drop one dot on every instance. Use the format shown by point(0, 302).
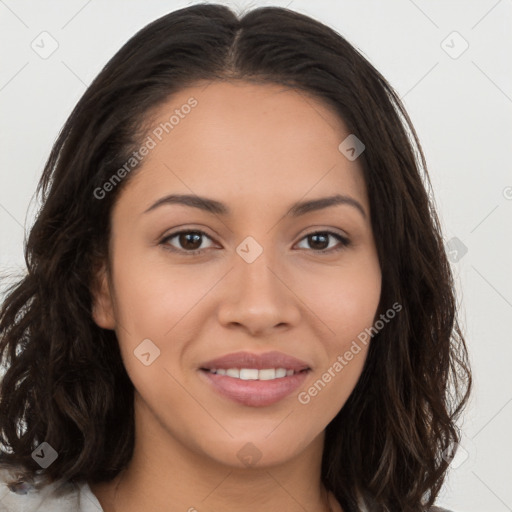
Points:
point(102, 303)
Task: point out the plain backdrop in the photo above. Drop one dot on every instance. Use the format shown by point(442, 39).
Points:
point(448, 60)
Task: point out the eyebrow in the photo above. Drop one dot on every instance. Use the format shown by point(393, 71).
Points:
point(296, 210)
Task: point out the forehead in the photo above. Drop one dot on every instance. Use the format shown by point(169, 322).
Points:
point(241, 140)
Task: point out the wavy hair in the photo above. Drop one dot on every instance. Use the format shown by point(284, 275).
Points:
point(390, 446)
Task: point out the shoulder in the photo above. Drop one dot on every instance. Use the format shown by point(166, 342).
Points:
point(438, 509)
point(58, 496)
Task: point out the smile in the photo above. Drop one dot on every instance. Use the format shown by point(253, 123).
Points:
point(254, 373)
point(255, 380)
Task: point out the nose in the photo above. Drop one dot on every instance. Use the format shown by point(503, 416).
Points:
point(258, 298)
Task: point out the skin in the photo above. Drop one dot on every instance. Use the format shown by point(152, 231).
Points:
point(258, 149)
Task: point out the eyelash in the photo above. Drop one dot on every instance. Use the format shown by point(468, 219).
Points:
point(345, 242)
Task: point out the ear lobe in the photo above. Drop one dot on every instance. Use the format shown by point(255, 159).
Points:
point(102, 304)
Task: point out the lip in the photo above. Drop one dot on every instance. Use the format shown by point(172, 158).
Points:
point(255, 393)
point(258, 361)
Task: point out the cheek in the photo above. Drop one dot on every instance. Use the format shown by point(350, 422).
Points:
point(348, 309)
point(345, 298)
point(152, 297)
point(346, 301)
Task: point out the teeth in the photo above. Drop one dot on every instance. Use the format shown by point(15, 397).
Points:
point(268, 374)
point(254, 373)
point(248, 374)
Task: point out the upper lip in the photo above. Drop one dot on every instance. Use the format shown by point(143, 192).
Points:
point(257, 361)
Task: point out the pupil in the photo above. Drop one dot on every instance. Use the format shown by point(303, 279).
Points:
point(186, 238)
point(324, 242)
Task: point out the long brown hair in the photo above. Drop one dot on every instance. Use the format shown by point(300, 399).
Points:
point(65, 382)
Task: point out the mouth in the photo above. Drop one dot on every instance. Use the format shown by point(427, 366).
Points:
point(255, 380)
point(254, 373)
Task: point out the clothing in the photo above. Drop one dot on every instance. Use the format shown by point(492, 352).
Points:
point(54, 497)
point(57, 497)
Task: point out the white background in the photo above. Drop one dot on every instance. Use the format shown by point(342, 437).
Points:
point(461, 108)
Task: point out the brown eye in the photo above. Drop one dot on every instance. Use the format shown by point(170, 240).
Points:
point(187, 241)
point(320, 241)
point(190, 241)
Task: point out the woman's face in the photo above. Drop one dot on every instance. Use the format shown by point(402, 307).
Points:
point(262, 158)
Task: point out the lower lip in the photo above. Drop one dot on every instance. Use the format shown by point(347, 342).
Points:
point(255, 393)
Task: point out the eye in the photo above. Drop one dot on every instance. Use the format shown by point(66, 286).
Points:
point(319, 240)
point(189, 241)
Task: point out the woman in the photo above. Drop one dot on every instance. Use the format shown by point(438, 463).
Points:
point(237, 294)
